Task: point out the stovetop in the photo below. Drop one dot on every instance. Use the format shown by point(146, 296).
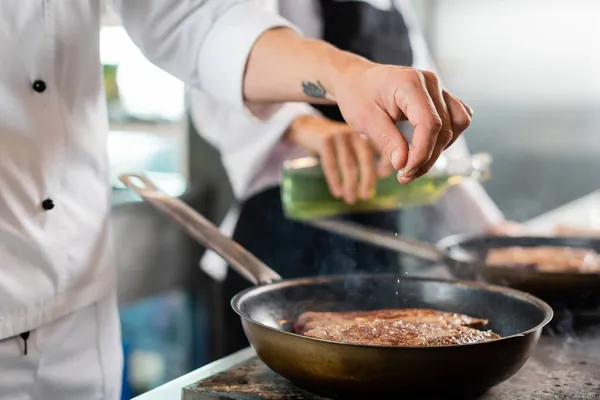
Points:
point(566, 322)
point(564, 366)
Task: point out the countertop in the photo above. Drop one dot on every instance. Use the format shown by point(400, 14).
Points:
point(561, 368)
point(172, 390)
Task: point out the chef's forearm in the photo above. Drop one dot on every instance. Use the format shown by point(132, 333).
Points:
point(284, 66)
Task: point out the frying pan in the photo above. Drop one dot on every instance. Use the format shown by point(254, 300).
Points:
point(465, 256)
point(340, 369)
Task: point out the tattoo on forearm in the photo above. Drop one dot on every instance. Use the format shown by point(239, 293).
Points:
point(314, 90)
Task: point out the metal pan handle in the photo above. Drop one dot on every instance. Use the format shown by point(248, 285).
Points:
point(204, 231)
point(380, 238)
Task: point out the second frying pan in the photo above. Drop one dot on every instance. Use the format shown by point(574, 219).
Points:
point(348, 370)
point(465, 256)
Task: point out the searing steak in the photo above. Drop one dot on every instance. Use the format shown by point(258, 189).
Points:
point(394, 327)
point(310, 320)
point(546, 258)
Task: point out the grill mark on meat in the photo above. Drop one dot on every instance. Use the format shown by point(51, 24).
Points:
point(394, 327)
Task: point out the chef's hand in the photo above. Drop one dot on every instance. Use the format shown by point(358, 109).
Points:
point(284, 66)
point(374, 97)
point(348, 158)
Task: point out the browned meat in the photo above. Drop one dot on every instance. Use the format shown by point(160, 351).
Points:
point(381, 332)
point(310, 320)
point(546, 258)
point(394, 327)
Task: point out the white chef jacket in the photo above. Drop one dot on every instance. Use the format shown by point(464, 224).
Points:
point(55, 252)
point(252, 150)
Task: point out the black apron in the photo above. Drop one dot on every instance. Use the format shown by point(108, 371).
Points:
point(357, 26)
point(294, 249)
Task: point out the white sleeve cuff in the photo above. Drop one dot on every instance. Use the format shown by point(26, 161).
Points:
point(256, 165)
point(223, 56)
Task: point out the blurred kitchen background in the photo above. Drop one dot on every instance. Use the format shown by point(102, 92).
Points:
point(529, 68)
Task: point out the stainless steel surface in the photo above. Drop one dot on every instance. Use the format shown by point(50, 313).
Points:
point(172, 390)
point(144, 242)
point(380, 238)
point(202, 230)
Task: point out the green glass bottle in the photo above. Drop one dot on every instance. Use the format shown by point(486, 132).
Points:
point(305, 193)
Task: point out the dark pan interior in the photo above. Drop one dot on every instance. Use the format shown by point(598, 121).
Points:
point(278, 305)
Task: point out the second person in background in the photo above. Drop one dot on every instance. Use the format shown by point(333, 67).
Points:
point(253, 152)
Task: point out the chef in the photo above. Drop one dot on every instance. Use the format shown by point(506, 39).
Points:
point(253, 152)
point(59, 324)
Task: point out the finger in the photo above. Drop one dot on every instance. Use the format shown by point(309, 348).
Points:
point(347, 167)
point(330, 168)
point(467, 108)
point(460, 114)
point(465, 105)
point(366, 165)
point(446, 133)
point(382, 130)
point(384, 167)
point(416, 103)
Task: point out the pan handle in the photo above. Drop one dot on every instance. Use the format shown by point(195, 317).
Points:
point(204, 231)
point(380, 238)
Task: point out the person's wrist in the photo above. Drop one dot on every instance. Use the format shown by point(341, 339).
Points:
point(340, 65)
point(295, 127)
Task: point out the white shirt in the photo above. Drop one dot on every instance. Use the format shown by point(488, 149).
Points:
point(53, 141)
point(252, 150)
